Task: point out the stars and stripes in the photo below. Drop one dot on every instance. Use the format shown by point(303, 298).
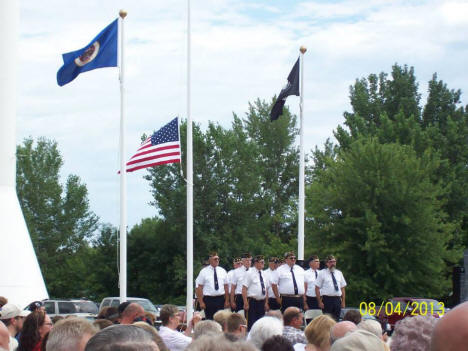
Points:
point(161, 148)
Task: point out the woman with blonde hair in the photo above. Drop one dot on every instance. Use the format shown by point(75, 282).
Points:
point(317, 333)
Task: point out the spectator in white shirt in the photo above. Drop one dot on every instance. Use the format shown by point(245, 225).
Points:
point(170, 319)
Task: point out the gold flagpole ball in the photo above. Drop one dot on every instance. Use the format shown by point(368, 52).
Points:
point(303, 49)
point(123, 14)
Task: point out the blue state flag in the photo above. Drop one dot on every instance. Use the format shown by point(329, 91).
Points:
point(100, 52)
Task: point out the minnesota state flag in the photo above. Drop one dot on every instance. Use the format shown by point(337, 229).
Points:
point(100, 52)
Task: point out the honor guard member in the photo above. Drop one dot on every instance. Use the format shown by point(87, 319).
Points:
point(237, 303)
point(273, 265)
point(330, 289)
point(236, 263)
point(254, 292)
point(310, 276)
point(212, 291)
point(288, 283)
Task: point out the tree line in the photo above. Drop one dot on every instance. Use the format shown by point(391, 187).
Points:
point(388, 197)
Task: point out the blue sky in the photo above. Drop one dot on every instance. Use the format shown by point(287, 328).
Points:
point(241, 51)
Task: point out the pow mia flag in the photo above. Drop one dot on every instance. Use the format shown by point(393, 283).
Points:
point(292, 88)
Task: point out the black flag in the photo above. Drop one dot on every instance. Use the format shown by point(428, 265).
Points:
point(292, 88)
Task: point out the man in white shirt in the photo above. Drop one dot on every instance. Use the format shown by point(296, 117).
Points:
point(254, 292)
point(268, 273)
point(237, 303)
point(212, 291)
point(170, 319)
point(330, 289)
point(310, 276)
point(288, 283)
point(236, 263)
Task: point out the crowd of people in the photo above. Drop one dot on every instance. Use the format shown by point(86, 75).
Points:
point(266, 313)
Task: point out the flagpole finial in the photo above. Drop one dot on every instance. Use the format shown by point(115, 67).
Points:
point(123, 13)
point(302, 49)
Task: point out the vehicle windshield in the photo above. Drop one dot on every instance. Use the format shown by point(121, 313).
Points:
point(86, 307)
point(147, 306)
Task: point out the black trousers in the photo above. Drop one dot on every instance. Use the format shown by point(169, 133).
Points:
point(213, 305)
point(274, 305)
point(332, 305)
point(239, 302)
point(255, 312)
point(312, 303)
point(288, 301)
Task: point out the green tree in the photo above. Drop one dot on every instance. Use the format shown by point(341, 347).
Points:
point(378, 209)
point(58, 216)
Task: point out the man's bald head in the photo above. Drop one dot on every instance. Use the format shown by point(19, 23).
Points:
point(451, 331)
point(340, 329)
point(131, 312)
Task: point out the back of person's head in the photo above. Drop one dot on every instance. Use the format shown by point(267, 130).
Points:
point(371, 326)
point(221, 317)
point(353, 316)
point(451, 332)
point(318, 331)
point(340, 329)
point(121, 338)
point(70, 335)
point(210, 343)
point(206, 327)
point(277, 343)
point(154, 335)
point(3, 301)
point(234, 322)
point(102, 323)
point(358, 340)
point(290, 314)
point(263, 329)
point(166, 312)
point(111, 313)
point(413, 333)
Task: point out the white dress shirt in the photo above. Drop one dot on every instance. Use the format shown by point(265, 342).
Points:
point(253, 284)
point(174, 340)
point(206, 278)
point(238, 277)
point(268, 275)
point(325, 282)
point(283, 278)
point(229, 279)
point(309, 278)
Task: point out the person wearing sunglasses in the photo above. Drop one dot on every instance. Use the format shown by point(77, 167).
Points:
point(330, 289)
point(288, 283)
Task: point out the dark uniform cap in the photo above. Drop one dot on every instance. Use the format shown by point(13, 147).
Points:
point(258, 258)
point(330, 257)
point(289, 254)
point(273, 259)
point(237, 260)
point(213, 253)
point(246, 255)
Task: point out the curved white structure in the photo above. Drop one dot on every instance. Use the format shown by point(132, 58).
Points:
point(20, 277)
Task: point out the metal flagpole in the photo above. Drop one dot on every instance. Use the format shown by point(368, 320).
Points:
point(300, 236)
point(123, 172)
point(189, 183)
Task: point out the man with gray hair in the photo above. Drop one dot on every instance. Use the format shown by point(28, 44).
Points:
point(122, 337)
point(413, 333)
point(358, 340)
point(263, 329)
point(340, 329)
point(70, 334)
point(207, 327)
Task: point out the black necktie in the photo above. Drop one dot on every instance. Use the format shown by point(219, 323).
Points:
point(261, 282)
point(294, 282)
point(315, 274)
point(335, 284)
point(216, 279)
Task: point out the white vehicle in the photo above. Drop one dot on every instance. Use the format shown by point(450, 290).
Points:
point(145, 303)
point(82, 308)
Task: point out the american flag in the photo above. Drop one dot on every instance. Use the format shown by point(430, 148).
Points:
point(161, 148)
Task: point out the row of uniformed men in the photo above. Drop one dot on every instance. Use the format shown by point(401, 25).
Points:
point(255, 290)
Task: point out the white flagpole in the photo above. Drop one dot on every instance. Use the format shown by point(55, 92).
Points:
point(300, 236)
point(189, 182)
point(123, 172)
